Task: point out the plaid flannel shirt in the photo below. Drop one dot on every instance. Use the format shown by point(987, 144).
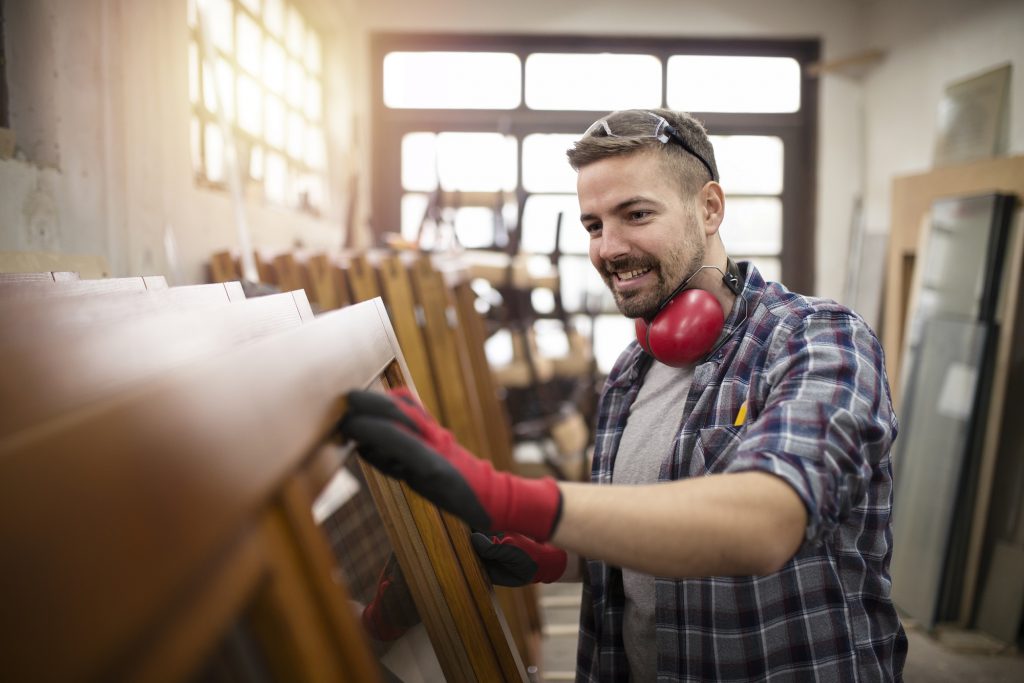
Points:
point(819, 416)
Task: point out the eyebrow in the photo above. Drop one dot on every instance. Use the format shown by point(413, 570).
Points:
point(621, 206)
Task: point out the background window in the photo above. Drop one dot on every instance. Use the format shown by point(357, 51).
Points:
point(470, 134)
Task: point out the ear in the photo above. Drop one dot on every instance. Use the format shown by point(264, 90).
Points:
point(712, 207)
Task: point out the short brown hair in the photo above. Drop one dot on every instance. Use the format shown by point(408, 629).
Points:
point(689, 153)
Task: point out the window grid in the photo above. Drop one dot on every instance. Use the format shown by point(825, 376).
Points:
point(304, 179)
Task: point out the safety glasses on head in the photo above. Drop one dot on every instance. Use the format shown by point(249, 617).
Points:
point(661, 130)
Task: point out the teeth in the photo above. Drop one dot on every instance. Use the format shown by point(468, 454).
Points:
point(631, 274)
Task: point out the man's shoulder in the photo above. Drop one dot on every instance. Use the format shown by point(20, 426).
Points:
point(786, 310)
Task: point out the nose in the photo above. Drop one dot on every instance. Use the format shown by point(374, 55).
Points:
point(611, 245)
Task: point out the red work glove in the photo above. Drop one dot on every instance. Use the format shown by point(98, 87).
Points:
point(516, 560)
point(391, 612)
point(397, 436)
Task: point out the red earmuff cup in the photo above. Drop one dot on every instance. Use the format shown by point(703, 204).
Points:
point(640, 325)
point(685, 330)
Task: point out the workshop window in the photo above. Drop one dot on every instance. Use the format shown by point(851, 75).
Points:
point(258, 62)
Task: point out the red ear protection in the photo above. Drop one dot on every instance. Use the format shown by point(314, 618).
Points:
point(684, 330)
point(685, 327)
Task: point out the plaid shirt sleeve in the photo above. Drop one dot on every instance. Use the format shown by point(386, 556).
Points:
point(827, 420)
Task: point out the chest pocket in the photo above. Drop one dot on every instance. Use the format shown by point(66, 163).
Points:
point(713, 449)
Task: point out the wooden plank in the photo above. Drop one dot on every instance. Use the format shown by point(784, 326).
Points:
point(49, 276)
point(362, 278)
point(912, 197)
point(287, 275)
point(224, 267)
point(37, 289)
point(396, 288)
point(316, 273)
point(65, 315)
point(460, 412)
point(103, 354)
point(124, 468)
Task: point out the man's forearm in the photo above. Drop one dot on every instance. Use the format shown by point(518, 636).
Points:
point(748, 523)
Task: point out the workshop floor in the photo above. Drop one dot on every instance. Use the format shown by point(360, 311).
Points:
point(946, 657)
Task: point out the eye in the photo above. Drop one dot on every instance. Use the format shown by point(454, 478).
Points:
point(640, 215)
point(593, 228)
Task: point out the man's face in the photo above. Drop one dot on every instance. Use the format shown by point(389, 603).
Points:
point(645, 238)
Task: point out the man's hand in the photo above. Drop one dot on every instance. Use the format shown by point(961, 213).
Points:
point(516, 560)
point(396, 435)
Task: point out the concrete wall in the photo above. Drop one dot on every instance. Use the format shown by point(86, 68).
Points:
point(99, 104)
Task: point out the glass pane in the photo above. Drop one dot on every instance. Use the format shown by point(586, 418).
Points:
point(275, 178)
point(219, 88)
point(296, 84)
point(752, 225)
point(273, 16)
point(274, 122)
point(464, 161)
point(611, 335)
point(419, 162)
point(365, 557)
point(314, 101)
point(256, 160)
point(273, 66)
point(316, 148)
point(733, 84)
point(296, 32)
point(749, 164)
point(214, 157)
point(250, 44)
point(477, 161)
point(540, 220)
point(451, 80)
point(545, 167)
point(195, 139)
point(413, 208)
point(296, 135)
point(219, 15)
point(598, 82)
point(312, 52)
point(474, 226)
point(250, 105)
point(193, 73)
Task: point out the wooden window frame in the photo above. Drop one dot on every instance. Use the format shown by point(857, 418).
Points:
point(296, 397)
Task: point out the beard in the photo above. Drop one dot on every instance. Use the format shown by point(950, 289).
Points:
point(670, 270)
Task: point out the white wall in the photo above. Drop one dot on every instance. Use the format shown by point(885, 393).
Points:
point(930, 44)
point(99, 104)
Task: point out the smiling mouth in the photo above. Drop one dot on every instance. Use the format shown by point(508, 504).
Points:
point(627, 275)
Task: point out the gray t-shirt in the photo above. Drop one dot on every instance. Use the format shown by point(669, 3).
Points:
point(646, 443)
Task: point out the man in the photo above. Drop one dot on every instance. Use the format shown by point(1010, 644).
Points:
point(747, 536)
